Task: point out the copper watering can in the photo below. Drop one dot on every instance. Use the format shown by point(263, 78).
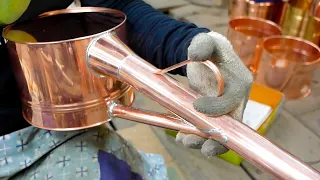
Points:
point(82, 75)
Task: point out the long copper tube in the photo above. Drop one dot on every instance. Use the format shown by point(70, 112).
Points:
point(107, 55)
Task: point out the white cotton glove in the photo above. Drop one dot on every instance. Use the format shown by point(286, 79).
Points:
point(238, 82)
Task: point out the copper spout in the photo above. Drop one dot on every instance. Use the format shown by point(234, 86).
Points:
point(152, 118)
point(107, 55)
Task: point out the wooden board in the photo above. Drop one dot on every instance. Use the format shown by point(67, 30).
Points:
point(214, 23)
point(165, 5)
point(188, 10)
point(209, 2)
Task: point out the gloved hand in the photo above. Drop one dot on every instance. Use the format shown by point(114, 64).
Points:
point(238, 82)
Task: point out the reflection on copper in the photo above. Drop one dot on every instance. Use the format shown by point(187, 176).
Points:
point(316, 11)
point(241, 8)
point(299, 19)
point(301, 4)
point(287, 64)
point(246, 35)
point(54, 100)
point(293, 21)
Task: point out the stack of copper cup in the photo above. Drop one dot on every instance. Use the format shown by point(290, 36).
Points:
point(278, 41)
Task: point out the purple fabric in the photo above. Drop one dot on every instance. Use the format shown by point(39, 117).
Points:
point(112, 168)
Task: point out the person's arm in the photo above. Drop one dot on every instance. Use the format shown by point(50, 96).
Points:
point(154, 36)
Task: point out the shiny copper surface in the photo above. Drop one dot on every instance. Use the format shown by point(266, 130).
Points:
point(300, 20)
point(246, 35)
point(315, 11)
point(240, 8)
point(156, 119)
point(301, 4)
point(293, 21)
point(208, 63)
point(108, 56)
point(287, 64)
point(57, 89)
point(312, 30)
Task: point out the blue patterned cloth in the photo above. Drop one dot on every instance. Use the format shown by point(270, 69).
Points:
point(95, 153)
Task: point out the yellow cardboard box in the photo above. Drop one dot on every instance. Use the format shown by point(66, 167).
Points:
point(263, 95)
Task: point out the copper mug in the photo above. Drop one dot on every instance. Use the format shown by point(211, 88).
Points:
point(299, 19)
point(287, 64)
point(315, 8)
point(246, 35)
point(82, 74)
point(249, 8)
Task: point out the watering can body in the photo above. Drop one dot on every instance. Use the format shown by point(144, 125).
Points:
point(57, 90)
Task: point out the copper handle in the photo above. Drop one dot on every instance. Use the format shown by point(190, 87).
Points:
point(208, 63)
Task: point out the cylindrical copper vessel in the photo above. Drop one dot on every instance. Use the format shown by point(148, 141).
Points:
point(58, 91)
point(315, 8)
point(109, 58)
point(299, 19)
point(287, 64)
point(301, 4)
point(240, 8)
point(246, 35)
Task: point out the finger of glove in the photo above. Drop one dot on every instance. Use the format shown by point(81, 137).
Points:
point(213, 148)
point(180, 136)
point(228, 58)
point(201, 47)
point(193, 141)
point(220, 39)
point(216, 106)
point(237, 114)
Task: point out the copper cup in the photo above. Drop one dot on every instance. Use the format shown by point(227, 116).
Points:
point(246, 35)
point(240, 8)
point(315, 8)
point(301, 4)
point(312, 32)
point(294, 19)
point(299, 19)
point(287, 64)
point(315, 13)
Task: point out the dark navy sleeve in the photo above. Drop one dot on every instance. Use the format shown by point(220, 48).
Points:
point(154, 36)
